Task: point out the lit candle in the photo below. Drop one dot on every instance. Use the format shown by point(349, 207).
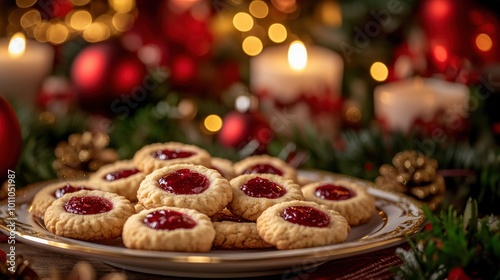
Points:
point(304, 82)
point(23, 66)
point(273, 71)
point(399, 104)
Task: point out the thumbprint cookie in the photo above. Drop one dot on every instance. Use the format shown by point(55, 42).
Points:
point(44, 198)
point(346, 197)
point(158, 155)
point(88, 215)
point(301, 224)
point(121, 177)
point(254, 193)
point(169, 229)
point(186, 186)
point(264, 164)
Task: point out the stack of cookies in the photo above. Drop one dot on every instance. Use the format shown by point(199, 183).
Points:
point(176, 197)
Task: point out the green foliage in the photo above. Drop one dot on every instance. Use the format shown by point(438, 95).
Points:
point(450, 241)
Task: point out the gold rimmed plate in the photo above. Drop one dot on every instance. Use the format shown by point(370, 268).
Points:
point(396, 217)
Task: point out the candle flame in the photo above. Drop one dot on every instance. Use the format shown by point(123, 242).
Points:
point(17, 45)
point(297, 56)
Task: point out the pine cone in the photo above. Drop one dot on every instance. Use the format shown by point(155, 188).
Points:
point(83, 154)
point(415, 174)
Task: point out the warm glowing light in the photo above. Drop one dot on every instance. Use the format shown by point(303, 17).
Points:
point(297, 56)
point(57, 33)
point(187, 109)
point(252, 45)
point(17, 45)
point(440, 53)
point(258, 9)
point(122, 6)
point(286, 6)
point(243, 22)
point(213, 123)
point(330, 13)
point(97, 31)
point(484, 42)
point(439, 8)
point(40, 31)
point(379, 71)
point(277, 33)
point(80, 20)
point(30, 18)
point(25, 3)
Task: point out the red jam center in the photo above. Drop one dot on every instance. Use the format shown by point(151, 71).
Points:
point(306, 216)
point(184, 181)
point(263, 168)
point(67, 189)
point(88, 205)
point(171, 154)
point(168, 220)
point(261, 187)
point(333, 192)
point(222, 217)
point(120, 174)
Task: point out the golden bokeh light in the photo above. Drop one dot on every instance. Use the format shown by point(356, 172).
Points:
point(484, 42)
point(25, 3)
point(30, 18)
point(96, 32)
point(80, 20)
point(57, 33)
point(353, 115)
point(258, 9)
point(252, 45)
point(330, 13)
point(122, 6)
point(213, 123)
point(379, 71)
point(40, 32)
point(243, 22)
point(122, 22)
point(277, 33)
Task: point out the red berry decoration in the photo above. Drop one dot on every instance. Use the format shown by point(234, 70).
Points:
point(458, 273)
point(10, 138)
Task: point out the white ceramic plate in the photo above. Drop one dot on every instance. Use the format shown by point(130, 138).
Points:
point(396, 217)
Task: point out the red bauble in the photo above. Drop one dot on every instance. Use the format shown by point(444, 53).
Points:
point(10, 138)
point(105, 73)
point(239, 129)
point(457, 273)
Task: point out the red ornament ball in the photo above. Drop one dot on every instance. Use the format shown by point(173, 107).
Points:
point(239, 129)
point(10, 138)
point(458, 273)
point(105, 72)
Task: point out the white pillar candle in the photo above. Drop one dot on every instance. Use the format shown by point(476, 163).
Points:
point(298, 86)
point(272, 72)
point(399, 104)
point(23, 66)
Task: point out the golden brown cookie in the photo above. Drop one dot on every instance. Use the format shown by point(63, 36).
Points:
point(88, 215)
point(186, 186)
point(224, 166)
point(301, 224)
point(344, 196)
point(254, 193)
point(158, 155)
point(169, 229)
point(233, 232)
point(264, 164)
point(121, 177)
point(44, 197)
